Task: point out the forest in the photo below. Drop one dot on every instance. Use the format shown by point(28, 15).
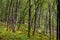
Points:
point(28, 19)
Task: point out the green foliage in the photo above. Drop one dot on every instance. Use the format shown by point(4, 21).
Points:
point(22, 35)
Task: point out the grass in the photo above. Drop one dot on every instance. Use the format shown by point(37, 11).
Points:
point(21, 35)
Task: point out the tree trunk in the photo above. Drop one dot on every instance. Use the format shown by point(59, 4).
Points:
point(49, 7)
point(13, 25)
point(16, 14)
point(36, 14)
point(58, 20)
point(7, 14)
point(29, 20)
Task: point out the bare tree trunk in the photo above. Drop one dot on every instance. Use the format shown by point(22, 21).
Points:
point(10, 18)
point(46, 24)
point(13, 26)
point(16, 14)
point(36, 14)
point(49, 6)
point(7, 14)
point(1, 10)
point(58, 20)
point(29, 20)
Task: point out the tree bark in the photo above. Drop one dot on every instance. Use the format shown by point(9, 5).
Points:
point(58, 20)
point(49, 8)
point(13, 26)
point(36, 14)
point(29, 20)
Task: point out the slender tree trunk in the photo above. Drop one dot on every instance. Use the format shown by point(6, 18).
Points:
point(0, 10)
point(36, 14)
point(29, 20)
point(16, 13)
point(7, 14)
point(10, 18)
point(46, 24)
point(49, 5)
point(13, 26)
point(58, 20)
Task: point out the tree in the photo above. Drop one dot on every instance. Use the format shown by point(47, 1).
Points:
point(58, 19)
point(0, 10)
point(13, 26)
point(7, 14)
point(49, 8)
point(29, 20)
point(37, 13)
point(16, 14)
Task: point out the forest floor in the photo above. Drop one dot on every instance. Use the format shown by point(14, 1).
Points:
point(20, 35)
